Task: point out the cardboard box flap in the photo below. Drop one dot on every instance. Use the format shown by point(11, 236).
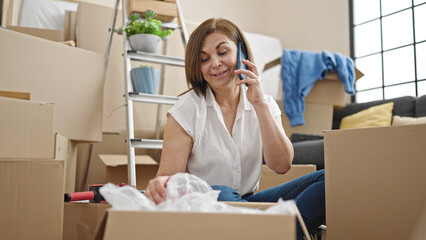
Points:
point(256, 205)
point(82, 219)
point(19, 95)
point(334, 76)
point(114, 160)
point(191, 225)
point(49, 34)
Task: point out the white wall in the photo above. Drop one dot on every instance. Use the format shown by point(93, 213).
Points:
point(313, 25)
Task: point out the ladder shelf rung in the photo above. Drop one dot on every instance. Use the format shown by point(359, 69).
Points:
point(156, 58)
point(147, 143)
point(152, 98)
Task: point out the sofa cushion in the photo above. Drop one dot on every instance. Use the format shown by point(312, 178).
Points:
point(403, 106)
point(299, 137)
point(421, 107)
point(309, 152)
point(376, 116)
point(399, 121)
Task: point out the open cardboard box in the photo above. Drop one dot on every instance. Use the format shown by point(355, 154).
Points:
point(375, 182)
point(146, 169)
point(82, 219)
point(191, 225)
point(330, 90)
point(89, 220)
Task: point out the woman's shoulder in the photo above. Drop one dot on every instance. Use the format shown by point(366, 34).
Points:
point(189, 96)
point(189, 101)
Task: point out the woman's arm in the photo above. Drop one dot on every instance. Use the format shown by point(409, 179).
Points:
point(277, 148)
point(177, 146)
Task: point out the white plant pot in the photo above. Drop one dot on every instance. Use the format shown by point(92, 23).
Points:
point(145, 42)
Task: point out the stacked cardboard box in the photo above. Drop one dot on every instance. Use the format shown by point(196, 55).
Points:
point(326, 95)
point(39, 137)
point(32, 164)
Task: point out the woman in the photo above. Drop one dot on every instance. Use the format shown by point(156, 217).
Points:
point(222, 127)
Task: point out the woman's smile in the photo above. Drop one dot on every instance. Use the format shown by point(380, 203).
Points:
point(220, 74)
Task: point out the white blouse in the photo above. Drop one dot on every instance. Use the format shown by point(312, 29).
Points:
point(217, 157)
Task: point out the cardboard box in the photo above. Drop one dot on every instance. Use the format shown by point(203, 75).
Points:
point(82, 219)
point(270, 179)
point(330, 90)
point(318, 117)
point(26, 129)
point(166, 10)
point(375, 182)
point(31, 202)
point(146, 169)
point(10, 12)
point(71, 167)
point(90, 168)
point(72, 78)
point(49, 34)
point(26, 132)
point(188, 226)
point(70, 26)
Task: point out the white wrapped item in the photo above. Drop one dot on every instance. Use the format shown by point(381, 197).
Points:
point(181, 184)
point(126, 198)
point(185, 193)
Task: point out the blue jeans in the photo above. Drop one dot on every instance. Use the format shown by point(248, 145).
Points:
point(307, 191)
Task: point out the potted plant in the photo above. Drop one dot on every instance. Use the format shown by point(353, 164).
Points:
point(145, 34)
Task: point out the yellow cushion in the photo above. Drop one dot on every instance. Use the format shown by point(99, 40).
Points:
point(376, 116)
point(398, 120)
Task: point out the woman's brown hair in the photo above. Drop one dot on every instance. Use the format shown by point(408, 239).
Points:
point(194, 77)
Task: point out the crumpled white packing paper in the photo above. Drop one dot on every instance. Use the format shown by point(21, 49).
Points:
point(185, 193)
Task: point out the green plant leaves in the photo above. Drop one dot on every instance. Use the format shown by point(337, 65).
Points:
point(148, 26)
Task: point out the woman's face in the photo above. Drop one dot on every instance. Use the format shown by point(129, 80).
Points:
point(218, 60)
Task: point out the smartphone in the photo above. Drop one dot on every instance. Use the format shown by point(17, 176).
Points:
point(240, 65)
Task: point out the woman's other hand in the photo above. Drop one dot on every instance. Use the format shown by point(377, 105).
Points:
point(156, 189)
point(253, 81)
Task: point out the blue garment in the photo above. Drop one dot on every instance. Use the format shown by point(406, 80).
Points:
point(299, 72)
point(308, 192)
